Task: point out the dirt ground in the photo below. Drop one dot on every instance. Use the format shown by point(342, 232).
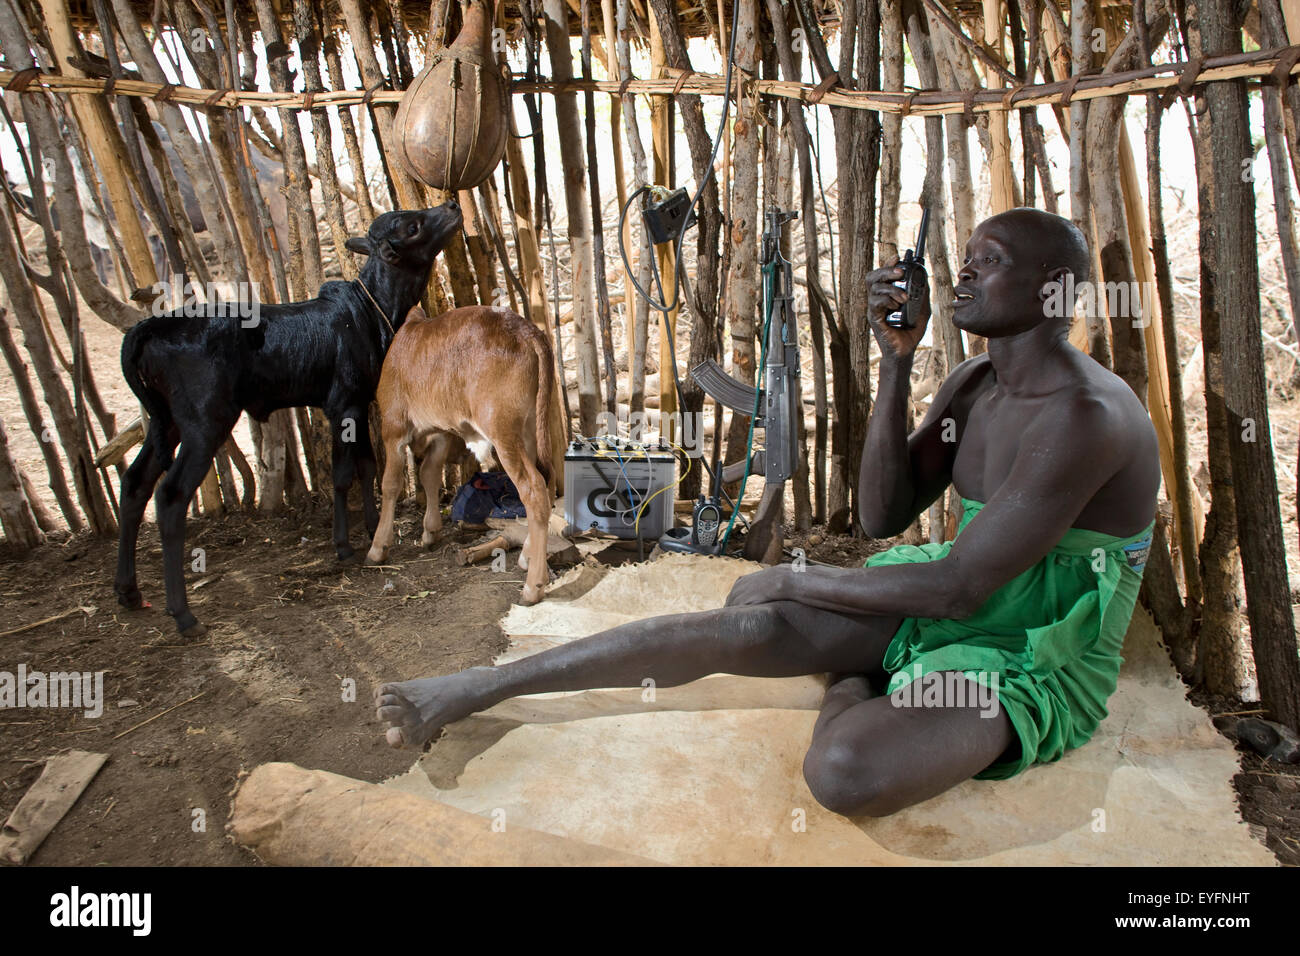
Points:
point(288, 627)
point(1268, 792)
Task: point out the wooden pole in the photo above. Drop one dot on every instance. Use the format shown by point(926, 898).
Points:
point(576, 205)
point(85, 476)
point(947, 347)
point(744, 224)
point(1219, 664)
point(174, 261)
point(531, 273)
point(702, 294)
point(105, 143)
point(1173, 614)
point(597, 225)
point(407, 190)
point(858, 163)
point(1281, 24)
point(948, 341)
point(1159, 400)
point(304, 255)
point(528, 255)
point(206, 188)
point(1002, 188)
point(360, 185)
point(45, 519)
point(638, 310)
point(1081, 20)
point(958, 146)
point(309, 50)
point(16, 514)
point(816, 297)
point(891, 129)
point(1161, 76)
point(661, 138)
point(620, 173)
point(58, 483)
point(1245, 389)
point(1291, 14)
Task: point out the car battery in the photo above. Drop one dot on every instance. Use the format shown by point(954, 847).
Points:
point(609, 481)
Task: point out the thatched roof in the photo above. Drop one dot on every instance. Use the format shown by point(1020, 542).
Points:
point(696, 20)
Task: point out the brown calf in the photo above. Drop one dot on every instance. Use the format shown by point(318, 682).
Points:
point(486, 375)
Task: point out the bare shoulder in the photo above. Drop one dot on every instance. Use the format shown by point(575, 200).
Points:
point(1111, 430)
point(1108, 396)
point(1104, 416)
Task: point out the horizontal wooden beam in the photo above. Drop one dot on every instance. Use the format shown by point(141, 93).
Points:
point(1163, 76)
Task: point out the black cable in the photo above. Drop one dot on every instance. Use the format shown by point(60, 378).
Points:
point(666, 308)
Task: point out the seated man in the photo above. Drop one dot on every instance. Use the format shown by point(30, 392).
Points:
point(1056, 463)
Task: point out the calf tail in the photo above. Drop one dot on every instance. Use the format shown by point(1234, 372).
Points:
point(154, 402)
point(545, 385)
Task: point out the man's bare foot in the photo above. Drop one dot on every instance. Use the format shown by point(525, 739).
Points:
point(416, 710)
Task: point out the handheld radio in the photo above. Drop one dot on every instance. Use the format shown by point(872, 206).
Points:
point(913, 280)
point(705, 525)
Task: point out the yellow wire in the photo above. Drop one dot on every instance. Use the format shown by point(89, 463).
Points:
point(645, 504)
point(642, 453)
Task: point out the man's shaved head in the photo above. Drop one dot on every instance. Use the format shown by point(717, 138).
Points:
point(1053, 240)
point(1016, 267)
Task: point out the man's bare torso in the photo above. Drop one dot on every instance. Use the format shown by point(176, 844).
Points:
point(990, 425)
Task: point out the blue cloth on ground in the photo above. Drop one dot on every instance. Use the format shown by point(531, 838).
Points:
point(489, 494)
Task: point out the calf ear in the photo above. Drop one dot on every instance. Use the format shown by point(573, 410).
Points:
point(358, 244)
point(388, 253)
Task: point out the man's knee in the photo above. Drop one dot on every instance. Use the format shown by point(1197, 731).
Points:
point(782, 615)
point(756, 622)
point(849, 779)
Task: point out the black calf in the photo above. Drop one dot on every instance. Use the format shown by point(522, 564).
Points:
point(196, 374)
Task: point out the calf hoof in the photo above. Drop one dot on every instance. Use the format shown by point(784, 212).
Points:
point(531, 595)
point(189, 627)
point(430, 538)
point(132, 600)
point(346, 554)
point(375, 556)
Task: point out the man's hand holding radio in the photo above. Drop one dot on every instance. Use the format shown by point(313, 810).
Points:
point(883, 298)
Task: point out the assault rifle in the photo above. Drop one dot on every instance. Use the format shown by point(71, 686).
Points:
point(776, 406)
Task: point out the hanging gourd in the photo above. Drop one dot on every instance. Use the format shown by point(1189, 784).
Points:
point(453, 121)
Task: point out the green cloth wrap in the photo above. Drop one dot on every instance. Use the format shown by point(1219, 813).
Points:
point(1052, 635)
